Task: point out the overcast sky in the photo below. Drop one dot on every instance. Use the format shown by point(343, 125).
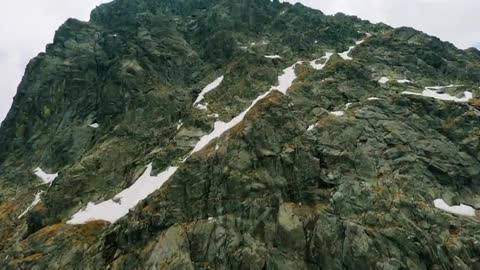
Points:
point(26, 26)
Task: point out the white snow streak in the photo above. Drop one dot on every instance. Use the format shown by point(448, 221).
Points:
point(438, 93)
point(322, 63)
point(112, 210)
point(462, 209)
point(285, 82)
point(373, 98)
point(345, 54)
point(338, 113)
point(404, 81)
point(34, 203)
point(212, 86)
point(221, 127)
point(94, 125)
point(45, 177)
point(273, 56)
point(179, 124)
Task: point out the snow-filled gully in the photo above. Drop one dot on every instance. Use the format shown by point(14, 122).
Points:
point(210, 87)
point(47, 179)
point(345, 55)
point(114, 209)
point(35, 202)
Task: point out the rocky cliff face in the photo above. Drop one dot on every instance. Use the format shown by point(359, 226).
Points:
point(275, 137)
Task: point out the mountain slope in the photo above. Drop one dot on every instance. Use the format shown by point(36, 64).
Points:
point(321, 142)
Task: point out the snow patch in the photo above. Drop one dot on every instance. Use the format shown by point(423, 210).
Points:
point(311, 127)
point(338, 113)
point(384, 80)
point(273, 56)
point(46, 178)
point(437, 93)
point(373, 98)
point(33, 204)
point(286, 79)
point(179, 124)
point(221, 127)
point(404, 81)
point(348, 105)
point(210, 87)
point(285, 82)
point(462, 209)
point(202, 107)
point(323, 61)
point(94, 125)
point(344, 55)
point(113, 210)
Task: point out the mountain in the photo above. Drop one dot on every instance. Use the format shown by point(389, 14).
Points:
point(248, 134)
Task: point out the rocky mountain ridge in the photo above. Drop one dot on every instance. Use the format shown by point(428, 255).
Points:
point(275, 137)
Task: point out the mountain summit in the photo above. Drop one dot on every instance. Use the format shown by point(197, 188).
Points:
point(249, 134)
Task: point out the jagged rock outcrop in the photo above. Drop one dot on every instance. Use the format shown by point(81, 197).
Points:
point(339, 169)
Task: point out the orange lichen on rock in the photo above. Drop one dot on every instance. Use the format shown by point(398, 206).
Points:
point(475, 102)
point(273, 99)
point(7, 208)
point(30, 258)
point(48, 231)
point(91, 228)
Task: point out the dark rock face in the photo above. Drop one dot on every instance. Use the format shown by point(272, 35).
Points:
point(292, 186)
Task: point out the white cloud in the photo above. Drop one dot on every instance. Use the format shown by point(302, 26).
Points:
point(455, 21)
point(26, 26)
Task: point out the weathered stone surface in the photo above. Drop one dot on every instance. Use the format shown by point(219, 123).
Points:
point(291, 187)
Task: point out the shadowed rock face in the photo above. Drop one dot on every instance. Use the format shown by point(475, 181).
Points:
point(339, 173)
